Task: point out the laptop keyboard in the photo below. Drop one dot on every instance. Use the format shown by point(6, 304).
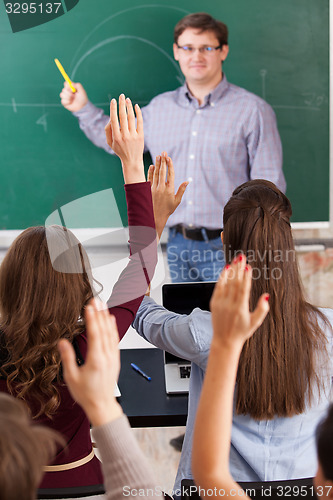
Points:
point(185, 371)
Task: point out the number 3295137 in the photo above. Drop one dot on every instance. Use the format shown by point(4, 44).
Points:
point(32, 8)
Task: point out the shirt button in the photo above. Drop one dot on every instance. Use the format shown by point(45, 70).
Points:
point(190, 202)
point(190, 179)
point(194, 132)
point(190, 225)
point(212, 104)
point(192, 157)
point(198, 111)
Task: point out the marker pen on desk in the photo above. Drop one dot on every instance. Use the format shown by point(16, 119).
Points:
point(138, 370)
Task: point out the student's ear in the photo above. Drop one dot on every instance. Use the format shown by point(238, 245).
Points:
point(175, 52)
point(222, 237)
point(224, 52)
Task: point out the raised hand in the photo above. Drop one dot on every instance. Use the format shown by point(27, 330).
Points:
point(162, 179)
point(92, 385)
point(126, 138)
point(231, 318)
point(73, 101)
point(232, 325)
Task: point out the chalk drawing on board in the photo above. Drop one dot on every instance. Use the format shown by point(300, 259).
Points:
point(309, 107)
point(42, 121)
point(14, 105)
point(263, 73)
point(124, 37)
point(125, 11)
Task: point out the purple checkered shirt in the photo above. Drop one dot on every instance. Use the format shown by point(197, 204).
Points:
point(231, 138)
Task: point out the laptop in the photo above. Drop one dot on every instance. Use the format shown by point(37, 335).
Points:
point(182, 298)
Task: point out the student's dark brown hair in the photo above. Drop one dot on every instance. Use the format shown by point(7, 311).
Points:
point(45, 283)
point(277, 369)
point(202, 22)
point(24, 449)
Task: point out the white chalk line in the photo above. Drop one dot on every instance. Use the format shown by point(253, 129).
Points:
point(125, 37)
point(147, 6)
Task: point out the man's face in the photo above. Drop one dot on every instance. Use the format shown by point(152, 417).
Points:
point(203, 67)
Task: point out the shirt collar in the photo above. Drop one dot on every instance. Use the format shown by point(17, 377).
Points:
point(185, 96)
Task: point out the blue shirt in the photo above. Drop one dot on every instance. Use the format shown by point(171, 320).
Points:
point(266, 450)
point(230, 139)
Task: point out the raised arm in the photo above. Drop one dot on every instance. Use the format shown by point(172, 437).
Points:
point(125, 136)
point(162, 179)
point(123, 463)
point(233, 324)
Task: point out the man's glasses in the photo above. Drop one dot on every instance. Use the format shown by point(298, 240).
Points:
point(206, 49)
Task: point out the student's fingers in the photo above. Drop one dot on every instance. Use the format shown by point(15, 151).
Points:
point(220, 289)
point(94, 326)
point(150, 175)
point(68, 358)
point(162, 172)
point(123, 114)
point(230, 285)
point(113, 337)
point(114, 118)
point(156, 172)
point(139, 120)
point(180, 192)
point(105, 331)
point(260, 312)
point(130, 115)
point(170, 174)
point(244, 283)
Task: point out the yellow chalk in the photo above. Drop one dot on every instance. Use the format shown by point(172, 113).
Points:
point(64, 74)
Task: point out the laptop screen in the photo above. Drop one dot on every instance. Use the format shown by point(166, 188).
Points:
point(182, 298)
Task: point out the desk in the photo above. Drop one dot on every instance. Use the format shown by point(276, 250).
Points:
point(145, 403)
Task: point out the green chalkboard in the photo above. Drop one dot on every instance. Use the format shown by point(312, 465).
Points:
point(278, 50)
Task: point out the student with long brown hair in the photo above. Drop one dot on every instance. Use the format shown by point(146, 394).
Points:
point(233, 326)
point(45, 284)
point(284, 374)
point(25, 448)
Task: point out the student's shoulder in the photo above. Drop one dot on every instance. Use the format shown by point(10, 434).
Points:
point(326, 328)
point(328, 313)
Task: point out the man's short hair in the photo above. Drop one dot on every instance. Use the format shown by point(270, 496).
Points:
point(202, 22)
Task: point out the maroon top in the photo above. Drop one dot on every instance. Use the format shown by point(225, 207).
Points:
point(70, 420)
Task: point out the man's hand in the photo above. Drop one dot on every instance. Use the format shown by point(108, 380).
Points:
point(92, 385)
point(162, 180)
point(126, 138)
point(73, 101)
point(232, 321)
